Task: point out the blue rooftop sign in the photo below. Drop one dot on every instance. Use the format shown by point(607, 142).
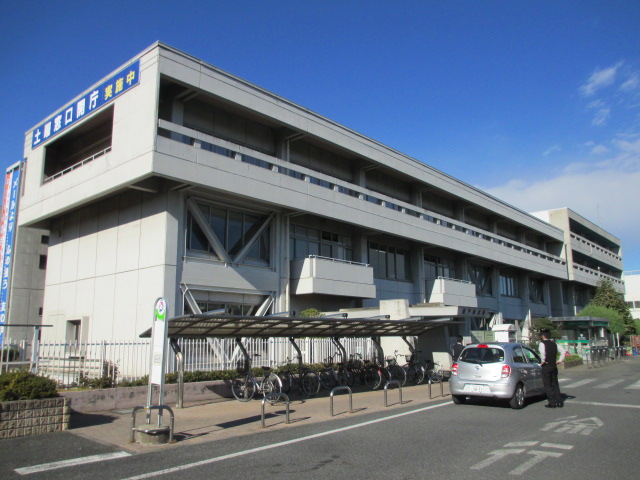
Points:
point(104, 93)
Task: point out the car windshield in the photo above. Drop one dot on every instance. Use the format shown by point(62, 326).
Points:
point(482, 355)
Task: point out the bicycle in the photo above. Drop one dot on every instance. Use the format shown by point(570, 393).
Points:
point(372, 373)
point(307, 379)
point(414, 370)
point(434, 372)
point(245, 386)
point(395, 371)
point(330, 377)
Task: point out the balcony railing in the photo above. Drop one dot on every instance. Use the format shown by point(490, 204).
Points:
point(77, 165)
point(595, 247)
point(452, 291)
point(198, 139)
point(331, 276)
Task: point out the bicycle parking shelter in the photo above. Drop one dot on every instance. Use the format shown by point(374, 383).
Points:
point(220, 325)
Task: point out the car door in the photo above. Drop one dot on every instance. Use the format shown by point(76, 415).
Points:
point(524, 368)
point(534, 360)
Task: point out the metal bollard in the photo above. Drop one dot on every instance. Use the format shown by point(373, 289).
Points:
point(340, 389)
point(148, 409)
point(441, 389)
point(386, 388)
point(274, 395)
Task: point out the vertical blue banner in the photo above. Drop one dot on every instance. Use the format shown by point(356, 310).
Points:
point(7, 236)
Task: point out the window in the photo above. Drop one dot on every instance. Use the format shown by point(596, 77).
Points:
point(439, 267)
point(43, 262)
point(509, 285)
point(636, 304)
point(44, 239)
point(531, 355)
point(306, 241)
point(229, 308)
point(73, 330)
point(536, 290)
point(234, 229)
point(390, 262)
point(481, 277)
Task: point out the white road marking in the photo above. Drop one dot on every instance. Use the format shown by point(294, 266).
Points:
point(280, 444)
point(610, 383)
point(538, 456)
point(602, 404)
point(634, 386)
point(71, 462)
point(579, 383)
point(556, 445)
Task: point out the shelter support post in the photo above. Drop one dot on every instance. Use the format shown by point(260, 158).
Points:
point(297, 349)
point(380, 352)
point(245, 354)
point(180, 361)
point(411, 349)
point(340, 347)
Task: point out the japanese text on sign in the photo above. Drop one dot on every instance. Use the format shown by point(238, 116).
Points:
point(96, 98)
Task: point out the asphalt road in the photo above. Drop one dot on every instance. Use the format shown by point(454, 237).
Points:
point(592, 437)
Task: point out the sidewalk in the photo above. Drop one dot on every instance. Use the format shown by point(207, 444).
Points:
point(224, 419)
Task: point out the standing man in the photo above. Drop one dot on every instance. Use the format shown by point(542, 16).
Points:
point(549, 353)
point(457, 348)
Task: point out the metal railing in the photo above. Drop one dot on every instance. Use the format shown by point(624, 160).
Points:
point(78, 363)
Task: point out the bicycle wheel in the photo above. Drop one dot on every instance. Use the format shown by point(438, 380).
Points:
point(327, 380)
point(310, 384)
point(397, 373)
point(419, 375)
point(372, 378)
point(271, 384)
point(277, 383)
point(287, 381)
point(411, 374)
point(243, 388)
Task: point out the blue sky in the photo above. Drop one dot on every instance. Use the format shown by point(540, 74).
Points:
point(535, 102)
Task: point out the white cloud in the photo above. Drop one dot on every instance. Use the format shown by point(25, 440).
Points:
point(554, 148)
point(599, 150)
point(632, 83)
point(600, 79)
point(606, 193)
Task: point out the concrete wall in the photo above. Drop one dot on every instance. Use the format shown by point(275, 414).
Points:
point(108, 263)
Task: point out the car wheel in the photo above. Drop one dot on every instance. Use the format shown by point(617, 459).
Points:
point(458, 399)
point(517, 401)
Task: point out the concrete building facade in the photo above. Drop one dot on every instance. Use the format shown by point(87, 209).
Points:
point(195, 185)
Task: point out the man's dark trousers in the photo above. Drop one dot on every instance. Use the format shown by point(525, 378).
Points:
point(551, 387)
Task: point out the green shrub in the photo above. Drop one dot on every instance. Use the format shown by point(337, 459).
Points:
point(23, 385)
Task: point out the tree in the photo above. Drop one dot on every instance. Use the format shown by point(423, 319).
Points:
point(543, 324)
point(607, 296)
point(311, 312)
point(616, 323)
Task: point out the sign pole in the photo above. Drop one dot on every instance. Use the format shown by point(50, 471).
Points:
point(158, 356)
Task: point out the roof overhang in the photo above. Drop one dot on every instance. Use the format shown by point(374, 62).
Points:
point(582, 321)
point(232, 326)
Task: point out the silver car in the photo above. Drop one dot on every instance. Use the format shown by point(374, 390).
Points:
point(497, 370)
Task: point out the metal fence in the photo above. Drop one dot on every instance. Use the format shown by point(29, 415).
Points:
point(71, 363)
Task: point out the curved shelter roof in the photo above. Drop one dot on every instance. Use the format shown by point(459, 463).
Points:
point(232, 326)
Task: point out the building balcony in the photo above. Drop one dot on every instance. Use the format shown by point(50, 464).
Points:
point(219, 163)
point(597, 252)
point(591, 277)
point(449, 291)
point(329, 276)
